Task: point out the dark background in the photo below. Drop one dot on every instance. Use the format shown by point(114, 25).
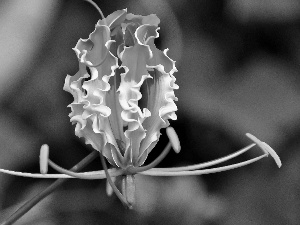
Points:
point(238, 72)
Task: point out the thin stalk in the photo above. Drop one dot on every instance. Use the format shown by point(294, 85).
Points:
point(112, 184)
point(35, 175)
point(97, 7)
point(40, 196)
point(100, 174)
point(206, 164)
point(201, 172)
point(134, 170)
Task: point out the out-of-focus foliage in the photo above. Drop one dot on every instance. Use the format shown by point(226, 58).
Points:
point(239, 71)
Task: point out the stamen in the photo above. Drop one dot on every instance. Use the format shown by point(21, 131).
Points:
point(44, 155)
point(272, 153)
point(112, 184)
point(134, 170)
point(88, 176)
point(109, 190)
point(266, 148)
point(173, 139)
point(66, 173)
point(206, 164)
point(201, 172)
point(34, 175)
point(128, 189)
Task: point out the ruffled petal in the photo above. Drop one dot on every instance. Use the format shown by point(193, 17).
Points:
point(161, 97)
point(82, 46)
point(134, 60)
point(93, 121)
point(151, 19)
point(73, 83)
point(161, 105)
point(114, 19)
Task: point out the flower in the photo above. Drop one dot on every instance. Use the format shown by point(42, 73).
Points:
point(120, 107)
point(123, 96)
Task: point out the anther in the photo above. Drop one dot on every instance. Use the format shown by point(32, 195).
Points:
point(44, 156)
point(272, 153)
point(266, 149)
point(109, 190)
point(128, 189)
point(173, 139)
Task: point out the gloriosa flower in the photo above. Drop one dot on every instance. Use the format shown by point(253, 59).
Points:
point(123, 96)
point(121, 106)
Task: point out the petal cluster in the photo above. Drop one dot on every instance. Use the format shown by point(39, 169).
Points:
point(124, 89)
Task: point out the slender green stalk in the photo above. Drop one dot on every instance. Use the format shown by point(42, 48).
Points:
point(40, 196)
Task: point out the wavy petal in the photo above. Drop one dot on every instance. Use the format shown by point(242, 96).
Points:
point(73, 83)
point(82, 46)
point(151, 19)
point(114, 19)
point(161, 105)
point(93, 123)
point(134, 60)
point(161, 95)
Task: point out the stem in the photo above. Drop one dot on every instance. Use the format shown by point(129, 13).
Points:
point(115, 189)
point(40, 196)
point(97, 7)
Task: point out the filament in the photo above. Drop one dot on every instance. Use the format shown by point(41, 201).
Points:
point(201, 172)
point(133, 170)
point(35, 175)
point(206, 164)
point(100, 174)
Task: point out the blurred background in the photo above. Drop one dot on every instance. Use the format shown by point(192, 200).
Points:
point(238, 67)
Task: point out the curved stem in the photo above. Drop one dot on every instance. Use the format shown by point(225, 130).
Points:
point(112, 184)
point(97, 7)
point(134, 170)
point(40, 196)
point(206, 164)
point(201, 172)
